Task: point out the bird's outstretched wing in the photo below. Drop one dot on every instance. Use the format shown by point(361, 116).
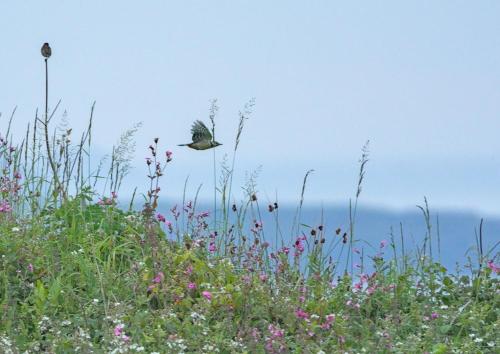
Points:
point(200, 132)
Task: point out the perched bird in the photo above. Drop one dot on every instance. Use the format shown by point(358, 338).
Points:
point(202, 138)
point(46, 51)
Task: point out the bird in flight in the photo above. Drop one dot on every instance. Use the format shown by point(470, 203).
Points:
point(202, 138)
point(46, 51)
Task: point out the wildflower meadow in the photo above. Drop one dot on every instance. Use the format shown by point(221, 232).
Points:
point(85, 269)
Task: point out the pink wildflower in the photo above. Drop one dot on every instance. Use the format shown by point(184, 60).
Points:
point(211, 247)
point(159, 278)
point(191, 286)
point(203, 214)
point(299, 247)
point(495, 268)
point(301, 314)
point(434, 315)
point(169, 226)
point(160, 217)
point(207, 295)
point(169, 155)
point(383, 243)
point(5, 207)
point(118, 330)
point(328, 321)
point(275, 331)
point(30, 267)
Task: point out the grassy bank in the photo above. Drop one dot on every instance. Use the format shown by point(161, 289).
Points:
point(80, 275)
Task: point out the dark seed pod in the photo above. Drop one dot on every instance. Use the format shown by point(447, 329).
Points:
point(234, 208)
point(313, 232)
point(322, 240)
point(320, 227)
point(338, 231)
point(271, 208)
point(275, 205)
point(254, 197)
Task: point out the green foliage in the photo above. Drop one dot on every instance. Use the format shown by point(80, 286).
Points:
point(83, 278)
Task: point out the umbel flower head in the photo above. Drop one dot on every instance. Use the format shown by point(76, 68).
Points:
point(46, 50)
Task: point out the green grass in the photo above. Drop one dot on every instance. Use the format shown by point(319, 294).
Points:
point(89, 280)
point(78, 274)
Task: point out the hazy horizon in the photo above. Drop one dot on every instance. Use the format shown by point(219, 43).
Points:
point(419, 79)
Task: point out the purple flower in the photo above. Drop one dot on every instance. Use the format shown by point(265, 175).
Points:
point(207, 295)
point(169, 226)
point(159, 278)
point(191, 286)
point(301, 314)
point(212, 247)
point(495, 268)
point(434, 315)
point(5, 207)
point(30, 267)
point(299, 246)
point(383, 243)
point(275, 331)
point(203, 214)
point(160, 217)
point(118, 330)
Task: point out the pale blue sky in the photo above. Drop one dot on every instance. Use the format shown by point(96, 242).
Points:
point(420, 79)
